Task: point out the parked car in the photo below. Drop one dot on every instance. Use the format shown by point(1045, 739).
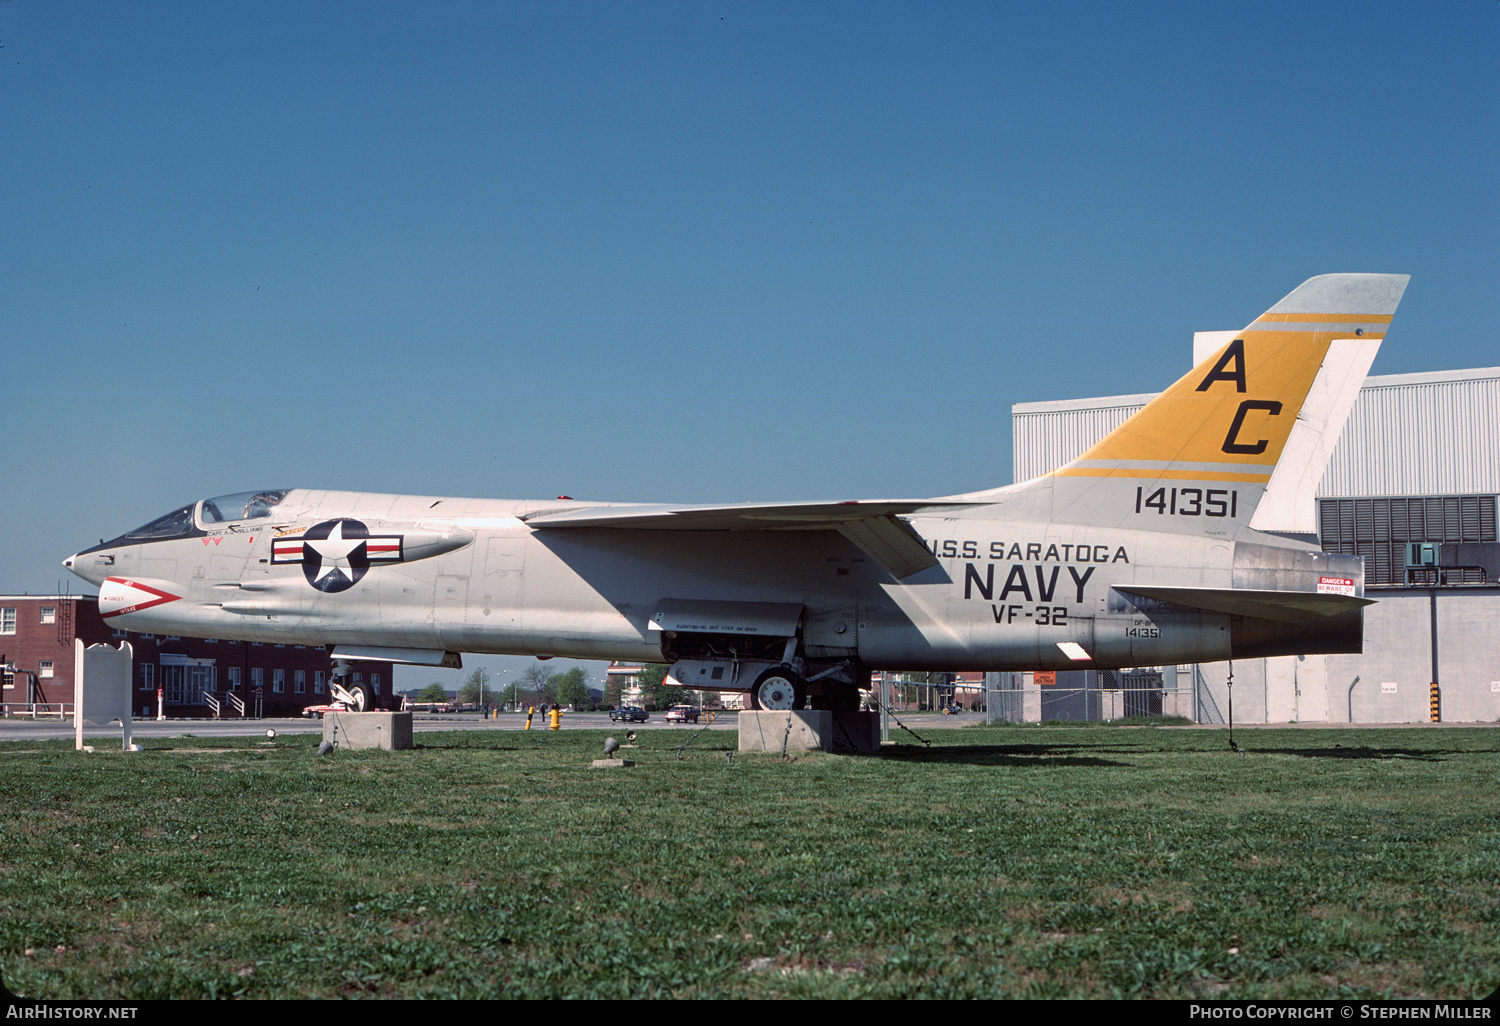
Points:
point(315, 712)
point(629, 714)
point(682, 714)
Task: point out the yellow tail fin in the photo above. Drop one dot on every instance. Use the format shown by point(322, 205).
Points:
point(1229, 419)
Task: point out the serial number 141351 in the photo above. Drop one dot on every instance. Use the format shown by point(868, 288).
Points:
point(1189, 502)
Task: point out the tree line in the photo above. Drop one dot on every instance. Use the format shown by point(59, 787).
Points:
point(537, 686)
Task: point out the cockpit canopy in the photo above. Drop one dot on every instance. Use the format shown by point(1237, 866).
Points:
point(241, 506)
point(192, 518)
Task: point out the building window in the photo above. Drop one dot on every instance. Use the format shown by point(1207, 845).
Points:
point(148, 677)
point(299, 682)
point(8, 620)
point(44, 668)
point(171, 637)
point(234, 678)
point(257, 678)
point(210, 641)
point(49, 614)
point(121, 634)
point(278, 681)
point(317, 682)
point(375, 684)
point(278, 645)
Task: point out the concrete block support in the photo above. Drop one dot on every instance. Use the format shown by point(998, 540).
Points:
point(810, 730)
point(388, 730)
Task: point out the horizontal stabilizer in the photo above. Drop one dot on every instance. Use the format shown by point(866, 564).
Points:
point(1285, 606)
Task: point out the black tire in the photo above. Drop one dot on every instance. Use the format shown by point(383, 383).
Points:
point(778, 689)
point(364, 698)
point(841, 698)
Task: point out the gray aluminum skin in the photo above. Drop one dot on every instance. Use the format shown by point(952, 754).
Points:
point(1085, 567)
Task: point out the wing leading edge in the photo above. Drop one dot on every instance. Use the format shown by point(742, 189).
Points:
point(875, 526)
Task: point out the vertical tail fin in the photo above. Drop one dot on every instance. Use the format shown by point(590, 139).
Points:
point(1209, 444)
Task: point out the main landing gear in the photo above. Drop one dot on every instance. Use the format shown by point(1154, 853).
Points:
point(778, 689)
point(782, 688)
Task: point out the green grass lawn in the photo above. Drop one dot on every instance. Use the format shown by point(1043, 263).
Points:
point(1017, 862)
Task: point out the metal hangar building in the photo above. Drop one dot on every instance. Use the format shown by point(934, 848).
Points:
point(1411, 486)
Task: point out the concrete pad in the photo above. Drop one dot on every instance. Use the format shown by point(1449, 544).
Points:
point(388, 730)
point(809, 730)
point(611, 763)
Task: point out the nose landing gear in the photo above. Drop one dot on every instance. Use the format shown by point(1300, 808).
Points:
point(358, 697)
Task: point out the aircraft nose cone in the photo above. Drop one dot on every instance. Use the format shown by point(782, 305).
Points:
point(77, 564)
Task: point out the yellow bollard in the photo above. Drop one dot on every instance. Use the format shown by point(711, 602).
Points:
point(556, 715)
point(530, 710)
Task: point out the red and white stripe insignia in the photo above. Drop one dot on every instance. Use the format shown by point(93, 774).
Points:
point(120, 595)
point(384, 549)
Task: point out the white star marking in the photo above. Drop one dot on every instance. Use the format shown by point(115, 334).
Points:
point(334, 550)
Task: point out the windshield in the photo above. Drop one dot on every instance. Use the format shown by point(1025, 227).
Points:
point(176, 524)
point(242, 506)
point(180, 523)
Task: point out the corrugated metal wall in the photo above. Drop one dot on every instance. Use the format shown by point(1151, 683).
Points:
point(1420, 434)
point(1410, 434)
point(1044, 436)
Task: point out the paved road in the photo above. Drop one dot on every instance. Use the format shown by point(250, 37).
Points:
point(42, 730)
point(52, 729)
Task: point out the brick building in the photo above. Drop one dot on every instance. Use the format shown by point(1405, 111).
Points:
point(193, 674)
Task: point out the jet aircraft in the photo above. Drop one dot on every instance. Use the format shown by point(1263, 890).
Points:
point(1139, 552)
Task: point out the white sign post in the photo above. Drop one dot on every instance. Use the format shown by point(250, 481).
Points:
point(101, 688)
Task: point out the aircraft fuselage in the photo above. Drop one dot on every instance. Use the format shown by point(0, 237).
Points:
point(463, 575)
point(1138, 552)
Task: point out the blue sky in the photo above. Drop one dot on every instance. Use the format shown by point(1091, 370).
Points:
point(690, 252)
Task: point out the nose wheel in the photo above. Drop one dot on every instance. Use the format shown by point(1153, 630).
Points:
point(358, 697)
point(778, 689)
